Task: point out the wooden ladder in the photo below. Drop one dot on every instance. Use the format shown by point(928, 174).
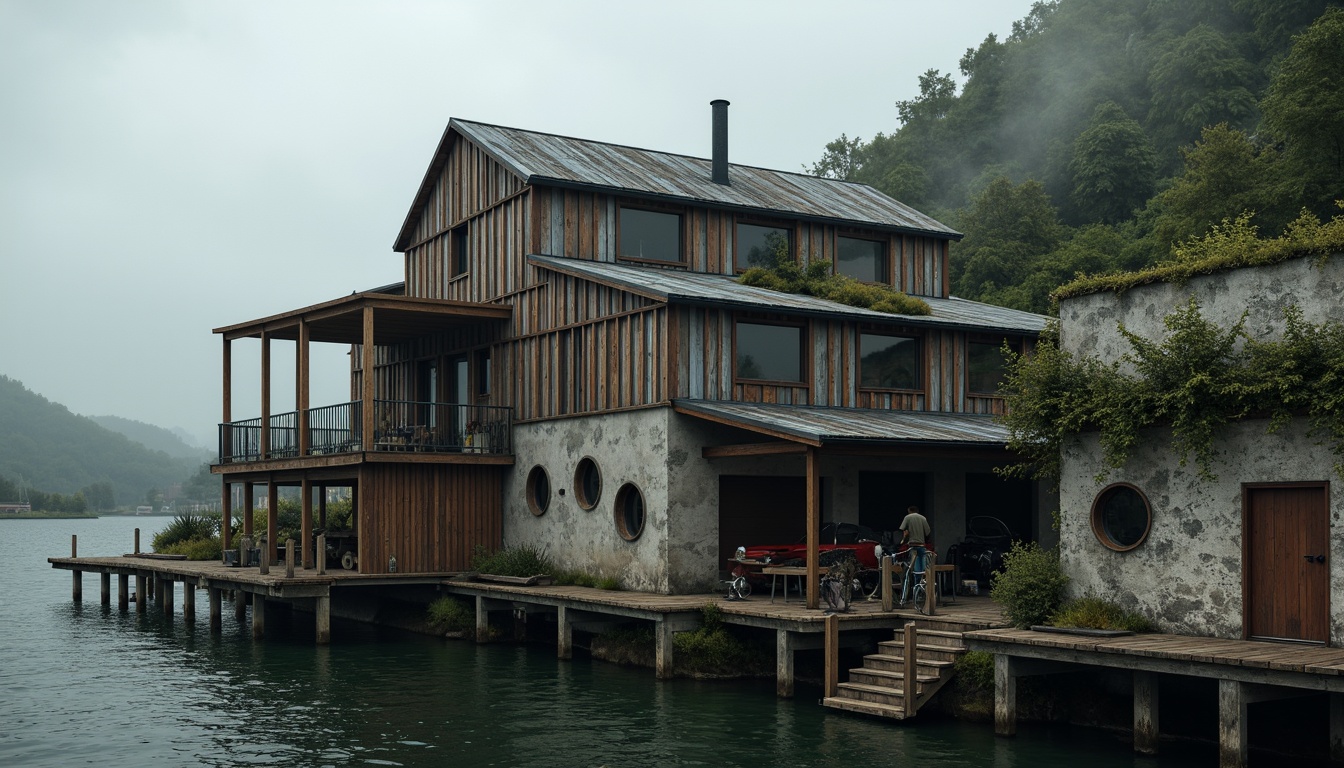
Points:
point(878, 687)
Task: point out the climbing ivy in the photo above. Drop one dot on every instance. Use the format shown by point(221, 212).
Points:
point(1196, 380)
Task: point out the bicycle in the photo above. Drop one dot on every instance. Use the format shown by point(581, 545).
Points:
point(738, 586)
point(914, 582)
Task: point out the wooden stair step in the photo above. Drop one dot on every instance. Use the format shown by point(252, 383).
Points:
point(888, 674)
point(865, 707)
point(890, 658)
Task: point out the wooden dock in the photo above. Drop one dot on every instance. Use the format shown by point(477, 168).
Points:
point(1247, 671)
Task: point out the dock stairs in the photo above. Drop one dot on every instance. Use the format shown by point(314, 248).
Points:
point(879, 687)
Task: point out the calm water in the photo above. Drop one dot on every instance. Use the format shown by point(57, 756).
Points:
point(89, 685)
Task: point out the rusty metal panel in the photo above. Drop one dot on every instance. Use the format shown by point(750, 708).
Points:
point(835, 425)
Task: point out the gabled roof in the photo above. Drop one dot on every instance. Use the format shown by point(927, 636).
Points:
point(548, 159)
point(679, 287)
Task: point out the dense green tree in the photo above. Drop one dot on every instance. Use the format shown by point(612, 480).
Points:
point(1304, 108)
point(1113, 167)
point(1008, 227)
point(1201, 79)
point(100, 496)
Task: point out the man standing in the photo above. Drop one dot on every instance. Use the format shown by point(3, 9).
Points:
point(915, 531)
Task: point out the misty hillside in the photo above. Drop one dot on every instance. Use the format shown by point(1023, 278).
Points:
point(154, 438)
point(46, 447)
point(1099, 135)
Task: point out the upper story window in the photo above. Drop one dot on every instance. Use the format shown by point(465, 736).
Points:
point(760, 246)
point(888, 362)
point(457, 251)
point(650, 235)
point(864, 260)
point(986, 367)
point(768, 352)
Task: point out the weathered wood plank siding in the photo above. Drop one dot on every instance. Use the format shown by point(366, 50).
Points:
point(430, 516)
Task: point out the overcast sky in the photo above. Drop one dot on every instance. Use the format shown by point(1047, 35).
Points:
point(167, 168)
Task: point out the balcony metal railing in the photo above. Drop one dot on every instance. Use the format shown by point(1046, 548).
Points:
point(399, 425)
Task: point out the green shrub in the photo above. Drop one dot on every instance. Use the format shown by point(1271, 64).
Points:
point(1092, 612)
point(717, 649)
point(817, 280)
point(449, 614)
point(976, 670)
point(1030, 587)
point(195, 549)
point(522, 561)
point(608, 582)
point(575, 578)
point(186, 527)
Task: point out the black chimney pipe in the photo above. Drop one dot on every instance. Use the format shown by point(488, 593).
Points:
point(720, 166)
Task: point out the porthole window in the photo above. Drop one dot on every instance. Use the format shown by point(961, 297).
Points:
point(629, 512)
point(538, 491)
point(587, 483)
point(1121, 517)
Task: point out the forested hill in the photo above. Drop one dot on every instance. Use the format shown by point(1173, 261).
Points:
point(44, 446)
point(1101, 133)
point(154, 438)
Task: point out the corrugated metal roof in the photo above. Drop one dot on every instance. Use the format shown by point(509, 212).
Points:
point(824, 425)
point(544, 157)
point(677, 286)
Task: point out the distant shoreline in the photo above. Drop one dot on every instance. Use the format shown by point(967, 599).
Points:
point(49, 516)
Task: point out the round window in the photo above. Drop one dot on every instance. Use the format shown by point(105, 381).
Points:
point(1121, 517)
point(629, 512)
point(538, 491)
point(587, 483)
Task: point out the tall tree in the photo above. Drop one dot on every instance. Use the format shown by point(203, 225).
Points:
point(1008, 228)
point(1113, 167)
point(1201, 79)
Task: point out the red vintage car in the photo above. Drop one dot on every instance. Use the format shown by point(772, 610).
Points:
point(864, 542)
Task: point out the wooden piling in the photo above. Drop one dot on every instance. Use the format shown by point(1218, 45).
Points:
point(1145, 713)
point(137, 542)
point(662, 651)
point(239, 605)
point(831, 680)
point(564, 641)
point(1232, 708)
point(258, 615)
point(141, 591)
point(930, 584)
point(105, 582)
point(289, 558)
point(886, 583)
point(188, 602)
point(323, 615)
point(213, 596)
point(1005, 696)
point(166, 596)
point(783, 663)
point(77, 583)
point(123, 591)
point(322, 554)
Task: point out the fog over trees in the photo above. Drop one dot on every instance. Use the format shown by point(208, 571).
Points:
point(1101, 133)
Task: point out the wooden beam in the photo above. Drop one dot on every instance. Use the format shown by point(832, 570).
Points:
point(366, 396)
point(227, 384)
point(265, 442)
point(813, 526)
point(272, 522)
point(753, 449)
point(301, 387)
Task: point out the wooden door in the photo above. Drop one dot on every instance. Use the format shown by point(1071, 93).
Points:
point(1286, 535)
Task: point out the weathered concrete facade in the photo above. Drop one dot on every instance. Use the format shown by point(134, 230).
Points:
point(660, 452)
point(1188, 573)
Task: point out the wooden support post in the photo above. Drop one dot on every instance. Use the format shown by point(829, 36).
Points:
point(1005, 696)
point(137, 542)
point(886, 583)
point(930, 585)
point(322, 555)
point(272, 552)
point(239, 605)
point(1145, 713)
point(265, 566)
point(783, 663)
point(1232, 752)
point(226, 517)
point(141, 591)
point(216, 608)
point(519, 625)
point(831, 682)
point(813, 530)
point(258, 616)
point(910, 668)
point(105, 582)
point(77, 584)
point(152, 584)
point(323, 614)
point(366, 381)
point(123, 591)
point(166, 596)
point(301, 366)
point(1337, 728)
point(662, 651)
point(482, 620)
point(189, 602)
point(306, 520)
point(564, 634)
point(264, 442)
point(249, 507)
point(289, 558)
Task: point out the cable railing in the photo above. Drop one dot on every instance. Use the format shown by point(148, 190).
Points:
point(399, 425)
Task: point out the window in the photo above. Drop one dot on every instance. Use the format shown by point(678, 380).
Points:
point(769, 352)
point(457, 256)
point(650, 236)
point(538, 490)
point(1121, 517)
point(985, 367)
point(629, 512)
point(758, 246)
point(864, 260)
point(482, 374)
point(888, 362)
point(587, 483)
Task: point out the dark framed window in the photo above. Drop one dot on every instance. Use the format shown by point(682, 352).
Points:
point(756, 245)
point(457, 251)
point(1121, 517)
point(986, 367)
point(650, 236)
point(482, 373)
point(538, 490)
point(889, 362)
point(629, 512)
point(864, 260)
point(767, 352)
point(587, 483)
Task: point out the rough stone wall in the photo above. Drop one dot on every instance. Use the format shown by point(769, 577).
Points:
point(1188, 573)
